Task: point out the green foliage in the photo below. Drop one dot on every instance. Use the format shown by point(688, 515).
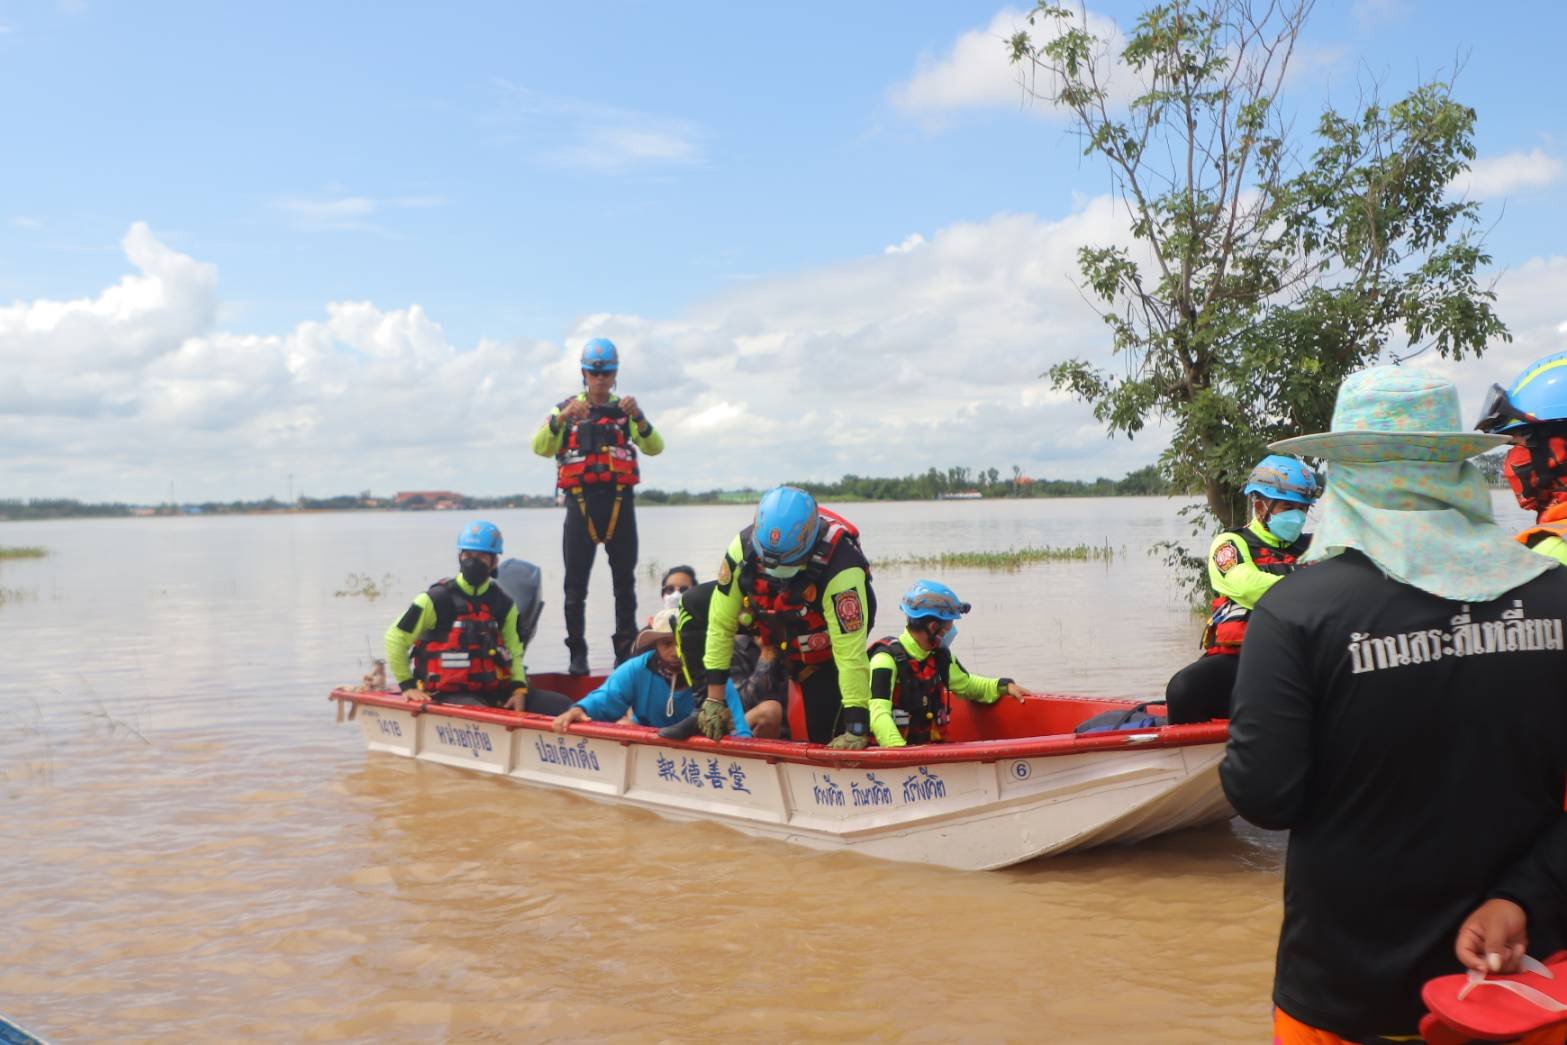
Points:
point(23, 553)
point(1260, 274)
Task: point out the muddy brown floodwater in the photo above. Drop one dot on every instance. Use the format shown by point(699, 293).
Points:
point(191, 849)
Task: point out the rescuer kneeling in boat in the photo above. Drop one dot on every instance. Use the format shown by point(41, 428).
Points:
point(798, 573)
point(1242, 565)
point(594, 437)
point(462, 637)
point(1533, 413)
point(1401, 710)
point(756, 671)
point(914, 676)
point(649, 685)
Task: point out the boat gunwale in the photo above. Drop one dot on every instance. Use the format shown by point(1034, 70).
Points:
point(983, 751)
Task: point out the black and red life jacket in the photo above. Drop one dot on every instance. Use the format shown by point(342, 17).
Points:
point(597, 450)
point(1227, 626)
point(787, 613)
point(921, 701)
point(463, 652)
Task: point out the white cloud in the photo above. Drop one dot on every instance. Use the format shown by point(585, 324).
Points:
point(912, 241)
point(22, 221)
point(1493, 176)
point(883, 364)
point(1371, 14)
point(344, 212)
point(977, 72)
point(584, 135)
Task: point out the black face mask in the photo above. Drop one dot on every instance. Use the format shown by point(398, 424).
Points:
point(474, 571)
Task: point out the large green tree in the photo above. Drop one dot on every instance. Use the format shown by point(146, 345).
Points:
point(1264, 265)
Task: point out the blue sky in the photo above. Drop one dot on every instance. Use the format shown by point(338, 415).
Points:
point(476, 190)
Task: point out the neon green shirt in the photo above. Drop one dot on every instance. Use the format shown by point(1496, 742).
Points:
point(848, 647)
point(399, 642)
point(1553, 548)
point(959, 682)
point(1231, 571)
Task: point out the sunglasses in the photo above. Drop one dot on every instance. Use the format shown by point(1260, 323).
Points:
point(671, 589)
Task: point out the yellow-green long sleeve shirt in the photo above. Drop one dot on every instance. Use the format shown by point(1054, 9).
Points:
point(884, 688)
point(1231, 571)
point(551, 435)
point(848, 646)
point(420, 618)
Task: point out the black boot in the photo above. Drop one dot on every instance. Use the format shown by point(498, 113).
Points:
point(685, 729)
point(579, 658)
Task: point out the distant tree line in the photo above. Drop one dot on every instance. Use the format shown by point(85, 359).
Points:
point(925, 486)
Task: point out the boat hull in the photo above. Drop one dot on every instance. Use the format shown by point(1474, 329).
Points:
point(972, 805)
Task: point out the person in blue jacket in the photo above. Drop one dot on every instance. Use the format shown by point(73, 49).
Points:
point(650, 686)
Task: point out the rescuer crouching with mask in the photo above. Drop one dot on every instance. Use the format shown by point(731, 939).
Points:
point(914, 676)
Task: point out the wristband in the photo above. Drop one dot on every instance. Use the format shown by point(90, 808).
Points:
point(408, 684)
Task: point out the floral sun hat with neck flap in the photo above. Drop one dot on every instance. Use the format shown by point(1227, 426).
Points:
point(1402, 491)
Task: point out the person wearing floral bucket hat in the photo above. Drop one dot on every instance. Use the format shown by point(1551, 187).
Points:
point(1243, 564)
point(1401, 709)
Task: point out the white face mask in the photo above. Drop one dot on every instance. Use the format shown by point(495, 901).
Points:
point(783, 573)
point(672, 600)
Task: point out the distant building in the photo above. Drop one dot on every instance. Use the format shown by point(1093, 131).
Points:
point(960, 495)
point(436, 499)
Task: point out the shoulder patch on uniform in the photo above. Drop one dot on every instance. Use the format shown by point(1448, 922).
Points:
point(1226, 557)
point(846, 607)
point(725, 574)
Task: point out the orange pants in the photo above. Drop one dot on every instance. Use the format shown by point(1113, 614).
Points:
point(1287, 1030)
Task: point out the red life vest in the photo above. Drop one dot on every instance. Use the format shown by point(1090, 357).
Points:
point(1227, 626)
point(463, 652)
point(597, 449)
point(788, 613)
point(1553, 523)
point(921, 701)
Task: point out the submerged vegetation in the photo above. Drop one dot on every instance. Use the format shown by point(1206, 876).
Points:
point(1011, 560)
point(23, 553)
point(364, 586)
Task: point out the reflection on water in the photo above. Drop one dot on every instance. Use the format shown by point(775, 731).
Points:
point(194, 850)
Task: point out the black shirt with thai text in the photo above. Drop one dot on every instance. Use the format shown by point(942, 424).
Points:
point(1416, 748)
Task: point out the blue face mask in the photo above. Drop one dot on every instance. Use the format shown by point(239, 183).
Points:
point(1286, 526)
point(947, 637)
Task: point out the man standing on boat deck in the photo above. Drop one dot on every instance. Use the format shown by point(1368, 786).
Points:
point(457, 643)
point(594, 437)
point(1401, 709)
point(798, 577)
point(914, 676)
point(1533, 414)
point(1242, 565)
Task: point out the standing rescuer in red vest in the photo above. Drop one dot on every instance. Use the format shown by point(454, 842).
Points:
point(594, 437)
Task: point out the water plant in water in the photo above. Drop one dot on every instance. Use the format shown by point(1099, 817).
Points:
point(364, 586)
point(23, 553)
point(1012, 559)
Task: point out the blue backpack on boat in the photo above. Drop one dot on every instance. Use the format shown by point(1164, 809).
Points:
point(1136, 717)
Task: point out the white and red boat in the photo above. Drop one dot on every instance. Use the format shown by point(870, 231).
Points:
point(1011, 783)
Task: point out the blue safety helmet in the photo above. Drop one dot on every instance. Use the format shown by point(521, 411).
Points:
point(480, 536)
point(1284, 478)
point(786, 526)
point(930, 599)
point(599, 356)
point(1538, 395)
